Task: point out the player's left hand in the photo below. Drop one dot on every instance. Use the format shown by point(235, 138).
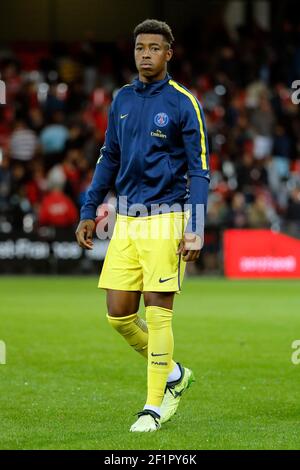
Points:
point(190, 247)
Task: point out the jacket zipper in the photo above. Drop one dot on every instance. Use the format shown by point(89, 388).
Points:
point(141, 161)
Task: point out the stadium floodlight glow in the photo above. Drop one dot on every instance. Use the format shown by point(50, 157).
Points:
point(34, 76)
point(5, 227)
point(228, 169)
point(43, 89)
point(220, 139)
point(220, 90)
point(28, 223)
point(61, 91)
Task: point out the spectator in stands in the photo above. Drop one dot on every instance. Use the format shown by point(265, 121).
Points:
point(57, 209)
point(258, 214)
point(53, 139)
point(23, 143)
point(53, 102)
point(36, 186)
point(217, 212)
point(238, 214)
point(263, 121)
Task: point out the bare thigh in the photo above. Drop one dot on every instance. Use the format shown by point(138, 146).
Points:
point(121, 303)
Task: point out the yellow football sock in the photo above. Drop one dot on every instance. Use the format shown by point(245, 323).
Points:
point(134, 330)
point(160, 352)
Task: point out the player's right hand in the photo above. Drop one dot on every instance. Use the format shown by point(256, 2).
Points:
point(84, 233)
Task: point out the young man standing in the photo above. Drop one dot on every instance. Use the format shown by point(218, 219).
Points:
point(156, 156)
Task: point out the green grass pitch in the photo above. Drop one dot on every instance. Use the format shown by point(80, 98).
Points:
point(70, 382)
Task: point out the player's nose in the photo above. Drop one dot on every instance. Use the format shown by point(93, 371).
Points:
point(146, 54)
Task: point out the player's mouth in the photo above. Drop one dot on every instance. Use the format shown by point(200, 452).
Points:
point(146, 65)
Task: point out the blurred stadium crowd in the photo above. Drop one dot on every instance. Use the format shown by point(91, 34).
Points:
point(54, 123)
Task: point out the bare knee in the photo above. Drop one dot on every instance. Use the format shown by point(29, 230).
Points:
point(116, 311)
point(122, 303)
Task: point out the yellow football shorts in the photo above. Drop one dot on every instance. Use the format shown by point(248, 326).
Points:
point(141, 255)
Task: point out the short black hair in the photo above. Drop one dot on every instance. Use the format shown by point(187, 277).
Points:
point(154, 27)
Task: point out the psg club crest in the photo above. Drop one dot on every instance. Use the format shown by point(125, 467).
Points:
point(161, 119)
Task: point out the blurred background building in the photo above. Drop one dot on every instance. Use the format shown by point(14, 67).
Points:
point(62, 63)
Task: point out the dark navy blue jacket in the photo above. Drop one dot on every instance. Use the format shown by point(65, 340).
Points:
point(155, 141)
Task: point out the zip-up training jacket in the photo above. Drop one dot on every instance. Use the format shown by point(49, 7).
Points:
point(155, 142)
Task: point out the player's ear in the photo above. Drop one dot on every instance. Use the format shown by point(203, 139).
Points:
point(169, 54)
